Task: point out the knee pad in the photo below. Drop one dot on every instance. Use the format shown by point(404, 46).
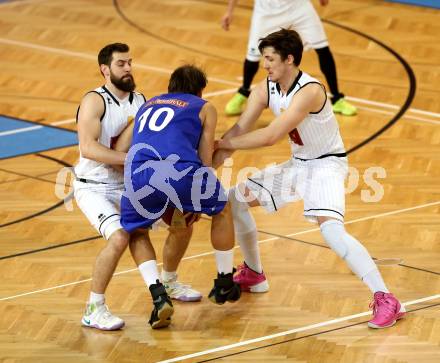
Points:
point(347, 247)
point(333, 231)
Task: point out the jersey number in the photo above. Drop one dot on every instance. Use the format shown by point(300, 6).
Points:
point(294, 136)
point(152, 119)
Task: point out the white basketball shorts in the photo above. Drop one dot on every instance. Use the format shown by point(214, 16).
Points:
point(100, 203)
point(319, 183)
point(302, 18)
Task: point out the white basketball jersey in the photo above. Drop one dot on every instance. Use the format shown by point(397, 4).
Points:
point(277, 6)
point(117, 114)
point(318, 134)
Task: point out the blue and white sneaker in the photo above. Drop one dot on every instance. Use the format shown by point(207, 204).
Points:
point(98, 316)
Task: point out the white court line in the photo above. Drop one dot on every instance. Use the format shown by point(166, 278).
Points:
point(405, 116)
point(72, 120)
point(388, 105)
point(216, 93)
point(398, 211)
point(17, 131)
point(218, 80)
point(168, 71)
point(289, 332)
point(88, 56)
point(20, 2)
point(115, 274)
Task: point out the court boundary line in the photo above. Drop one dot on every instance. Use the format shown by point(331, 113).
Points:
point(295, 338)
point(398, 211)
point(168, 71)
point(289, 332)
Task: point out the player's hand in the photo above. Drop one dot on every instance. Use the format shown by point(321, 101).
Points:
point(323, 2)
point(226, 21)
point(217, 145)
point(191, 218)
point(220, 156)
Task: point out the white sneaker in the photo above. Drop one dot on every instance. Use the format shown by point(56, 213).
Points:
point(98, 316)
point(179, 291)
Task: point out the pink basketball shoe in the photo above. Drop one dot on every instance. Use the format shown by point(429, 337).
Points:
point(386, 310)
point(249, 280)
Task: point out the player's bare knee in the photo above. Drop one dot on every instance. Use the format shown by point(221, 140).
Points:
point(118, 241)
point(183, 232)
point(138, 235)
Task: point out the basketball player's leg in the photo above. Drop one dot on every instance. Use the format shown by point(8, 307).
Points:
point(97, 314)
point(271, 188)
point(145, 258)
point(103, 214)
point(209, 197)
point(222, 239)
point(386, 308)
point(173, 251)
point(324, 202)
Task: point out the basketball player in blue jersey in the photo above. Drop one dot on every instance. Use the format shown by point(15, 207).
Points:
point(168, 165)
point(102, 116)
point(315, 172)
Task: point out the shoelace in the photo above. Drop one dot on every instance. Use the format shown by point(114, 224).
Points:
point(104, 312)
point(381, 302)
point(178, 287)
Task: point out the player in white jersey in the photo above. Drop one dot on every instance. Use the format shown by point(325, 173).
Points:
point(271, 15)
point(315, 172)
point(103, 114)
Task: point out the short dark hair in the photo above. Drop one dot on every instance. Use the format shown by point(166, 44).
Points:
point(187, 79)
point(105, 55)
point(285, 42)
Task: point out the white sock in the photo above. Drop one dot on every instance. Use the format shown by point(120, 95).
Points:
point(249, 248)
point(96, 298)
point(374, 281)
point(224, 261)
point(168, 275)
point(245, 230)
point(149, 272)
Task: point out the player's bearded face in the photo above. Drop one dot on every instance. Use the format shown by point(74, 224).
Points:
point(124, 83)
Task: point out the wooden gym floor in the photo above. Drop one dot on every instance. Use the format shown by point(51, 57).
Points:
point(387, 57)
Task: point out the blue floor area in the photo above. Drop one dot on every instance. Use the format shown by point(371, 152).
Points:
point(20, 137)
point(427, 3)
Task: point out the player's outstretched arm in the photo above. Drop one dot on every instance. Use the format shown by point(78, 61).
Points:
point(309, 99)
point(256, 103)
point(208, 116)
point(89, 129)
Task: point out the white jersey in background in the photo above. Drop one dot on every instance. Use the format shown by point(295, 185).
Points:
point(272, 15)
point(318, 134)
point(116, 116)
point(277, 6)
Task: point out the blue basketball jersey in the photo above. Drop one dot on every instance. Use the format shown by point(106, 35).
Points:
point(169, 124)
point(163, 167)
